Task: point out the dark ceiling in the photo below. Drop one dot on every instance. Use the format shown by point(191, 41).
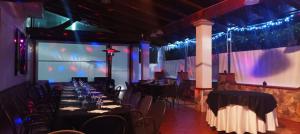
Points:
point(126, 20)
point(129, 21)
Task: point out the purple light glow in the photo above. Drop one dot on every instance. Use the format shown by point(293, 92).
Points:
point(21, 40)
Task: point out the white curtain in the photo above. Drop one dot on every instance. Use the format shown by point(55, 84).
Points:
point(277, 67)
point(58, 62)
point(191, 67)
point(223, 62)
point(120, 67)
point(171, 67)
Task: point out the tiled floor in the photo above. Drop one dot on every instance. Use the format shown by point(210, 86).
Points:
point(184, 120)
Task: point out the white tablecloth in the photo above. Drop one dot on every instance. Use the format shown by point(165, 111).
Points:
point(239, 119)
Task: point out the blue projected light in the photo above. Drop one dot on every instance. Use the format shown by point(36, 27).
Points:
point(100, 64)
point(95, 43)
point(80, 73)
point(61, 68)
point(51, 80)
point(135, 56)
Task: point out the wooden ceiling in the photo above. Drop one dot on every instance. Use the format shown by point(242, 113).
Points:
point(128, 20)
point(157, 21)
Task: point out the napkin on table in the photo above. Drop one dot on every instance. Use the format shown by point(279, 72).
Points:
point(98, 111)
point(107, 101)
point(69, 101)
point(111, 106)
point(70, 108)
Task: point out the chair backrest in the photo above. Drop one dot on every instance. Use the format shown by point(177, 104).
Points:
point(117, 91)
point(84, 79)
point(126, 96)
point(135, 99)
point(66, 132)
point(145, 104)
point(105, 124)
point(157, 112)
point(7, 125)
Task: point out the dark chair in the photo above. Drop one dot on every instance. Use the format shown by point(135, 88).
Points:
point(116, 92)
point(66, 132)
point(110, 85)
point(84, 79)
point(105, 124)
point(100, 83)
point(145, 104)
point(135, 99)
point(156, 113)
point(7, 124)
point(127, 94)
point(183, 92)
point(142, 109)
point(150, 124)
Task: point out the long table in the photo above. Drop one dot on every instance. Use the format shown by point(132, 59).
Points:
point(71, 114)
point(241, 111)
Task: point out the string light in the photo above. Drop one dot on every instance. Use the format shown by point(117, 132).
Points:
point(260, 26)
point(179, 44)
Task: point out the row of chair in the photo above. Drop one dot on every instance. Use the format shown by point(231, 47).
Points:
point(145, 114)
point(28, 108)
point(146, 117)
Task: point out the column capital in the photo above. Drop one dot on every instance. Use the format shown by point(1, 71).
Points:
point(202, 22)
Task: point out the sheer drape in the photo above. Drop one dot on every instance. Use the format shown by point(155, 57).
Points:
point(277, 67)
point(171, 67)
point(120, 67)
point(174, 66)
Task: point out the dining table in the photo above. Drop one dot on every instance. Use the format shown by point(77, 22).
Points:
point(241, 111)
point(74, 110)
point(158, 90)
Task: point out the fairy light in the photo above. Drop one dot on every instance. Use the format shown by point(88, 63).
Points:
point(260, 26)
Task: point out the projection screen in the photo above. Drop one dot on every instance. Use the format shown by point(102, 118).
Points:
point(59, 62)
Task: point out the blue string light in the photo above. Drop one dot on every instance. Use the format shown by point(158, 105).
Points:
point(260, 26)
point(179, 44)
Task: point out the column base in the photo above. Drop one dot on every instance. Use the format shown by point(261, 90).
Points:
point(200, 98)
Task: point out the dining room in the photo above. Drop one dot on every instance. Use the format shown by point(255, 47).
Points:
point(150, 66)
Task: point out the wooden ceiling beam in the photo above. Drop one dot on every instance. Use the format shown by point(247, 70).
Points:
point(192, 4)
point(209, 13)
point(170, 10)
point(133, 17)
point(141, 9)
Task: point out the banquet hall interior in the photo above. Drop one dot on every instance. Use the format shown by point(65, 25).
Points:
point(150, 66)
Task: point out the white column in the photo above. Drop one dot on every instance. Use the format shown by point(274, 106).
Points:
point(145, 47)
point(203, 63)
